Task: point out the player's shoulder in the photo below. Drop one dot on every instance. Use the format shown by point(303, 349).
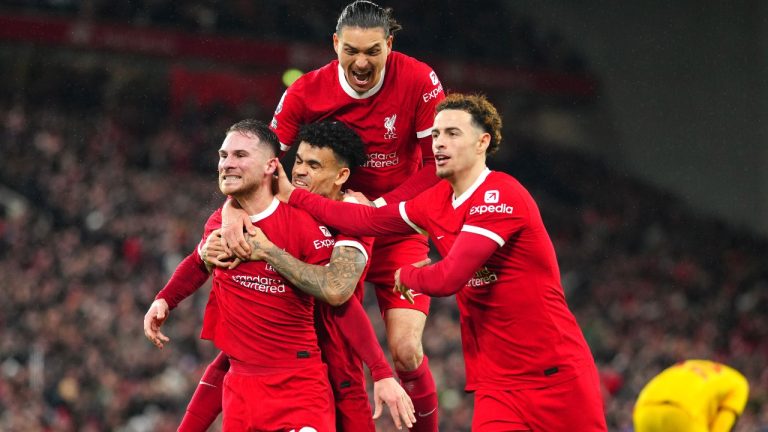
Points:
point(412, 68)
point(499, 186)
point(301, 220)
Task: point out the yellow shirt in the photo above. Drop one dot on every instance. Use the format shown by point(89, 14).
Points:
point(700, 387)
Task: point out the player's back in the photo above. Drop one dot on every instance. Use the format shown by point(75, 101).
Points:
point(697, 386)
point(262, 318)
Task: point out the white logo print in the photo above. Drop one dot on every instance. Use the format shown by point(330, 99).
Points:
point(280, 104)
point(433, 77)
point(491, 196)
point(326, 232)
point(413, 294)
point(389, 123)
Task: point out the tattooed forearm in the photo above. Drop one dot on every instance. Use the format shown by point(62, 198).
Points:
point(333, 284)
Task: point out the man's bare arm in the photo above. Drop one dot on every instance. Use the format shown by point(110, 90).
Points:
point(333, 284)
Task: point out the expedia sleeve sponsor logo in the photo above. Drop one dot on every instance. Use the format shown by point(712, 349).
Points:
point(260, 283)
point(325, 243)
point(483, 277)
point(482, 209)
point(432, 94)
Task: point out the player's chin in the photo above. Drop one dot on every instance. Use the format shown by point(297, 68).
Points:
point(443, 172)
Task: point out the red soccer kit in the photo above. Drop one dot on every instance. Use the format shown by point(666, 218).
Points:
point(394, 120)
point(518, 334)
point(277, 380)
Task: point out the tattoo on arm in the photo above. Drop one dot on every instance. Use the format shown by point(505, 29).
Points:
point(333, 284)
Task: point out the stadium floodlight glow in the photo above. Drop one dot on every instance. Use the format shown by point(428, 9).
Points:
point(290, 75)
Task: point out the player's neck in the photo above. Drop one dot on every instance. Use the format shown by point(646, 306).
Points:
point(464, 180)
point(256, 202)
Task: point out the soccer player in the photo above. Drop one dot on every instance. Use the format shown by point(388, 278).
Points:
point(326, 152)
point(254, 315)
point(389, 99)
point(525, 356)
point(692, 396)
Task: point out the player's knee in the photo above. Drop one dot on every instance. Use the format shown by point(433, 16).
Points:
point(407, 354)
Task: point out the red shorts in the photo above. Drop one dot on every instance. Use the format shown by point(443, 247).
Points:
point(292, 399)
point(389, 254)
point(346, 374)
point(573, 405)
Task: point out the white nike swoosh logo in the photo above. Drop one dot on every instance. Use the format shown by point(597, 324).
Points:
point(427, 413)
point(205, 383)
point(439, 237)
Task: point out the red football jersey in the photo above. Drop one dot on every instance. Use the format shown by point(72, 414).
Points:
point(256, 315)
point(390, 118)
point(516, 328)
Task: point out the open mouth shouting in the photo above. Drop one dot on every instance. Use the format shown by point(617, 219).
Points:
point(361, 79)
point(441, 159)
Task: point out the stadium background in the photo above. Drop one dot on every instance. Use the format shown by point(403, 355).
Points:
point(640, 129)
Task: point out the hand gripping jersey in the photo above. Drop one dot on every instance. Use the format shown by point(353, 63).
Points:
point(390, 118)
point(517, 331)
point(256, 316)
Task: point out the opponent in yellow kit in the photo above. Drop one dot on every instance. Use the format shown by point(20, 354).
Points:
point(692, 396)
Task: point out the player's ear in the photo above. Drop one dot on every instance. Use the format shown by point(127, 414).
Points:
point(483, 142)
point(342, 176)
point(271, 167)
point(336, 43)
point(389, 43)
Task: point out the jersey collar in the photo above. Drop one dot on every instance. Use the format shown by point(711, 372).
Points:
point(457, 201)
point(355, 95)
point(266, 212)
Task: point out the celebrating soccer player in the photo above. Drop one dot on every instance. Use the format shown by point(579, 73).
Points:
point(526, 359)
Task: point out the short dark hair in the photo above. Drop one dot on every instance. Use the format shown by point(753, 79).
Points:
point(367, 15)
point(260, 130)
point(340, 138)
point(484, 115)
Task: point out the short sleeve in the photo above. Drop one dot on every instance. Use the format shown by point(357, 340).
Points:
point(288, 116)
point(497, 211)
point(431, 93)
point(316, 240)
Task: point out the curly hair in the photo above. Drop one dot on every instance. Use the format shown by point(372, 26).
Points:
point(343, 141)
point(484, 115)
point(260, 130)
point(367, 15)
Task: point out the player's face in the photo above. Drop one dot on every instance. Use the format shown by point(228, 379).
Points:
point(458, 145)
point(243, 164)
point(362, 54)
point(317, 170)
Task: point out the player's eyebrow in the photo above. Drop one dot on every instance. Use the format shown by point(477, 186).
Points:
point(368, 48)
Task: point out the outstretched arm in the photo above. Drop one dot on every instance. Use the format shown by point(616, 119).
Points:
point(349, 218)
point(333, 284)
point(420, 181)
point(448, 276)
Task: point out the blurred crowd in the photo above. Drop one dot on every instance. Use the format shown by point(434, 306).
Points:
point(102, 194)
point(431, 28)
